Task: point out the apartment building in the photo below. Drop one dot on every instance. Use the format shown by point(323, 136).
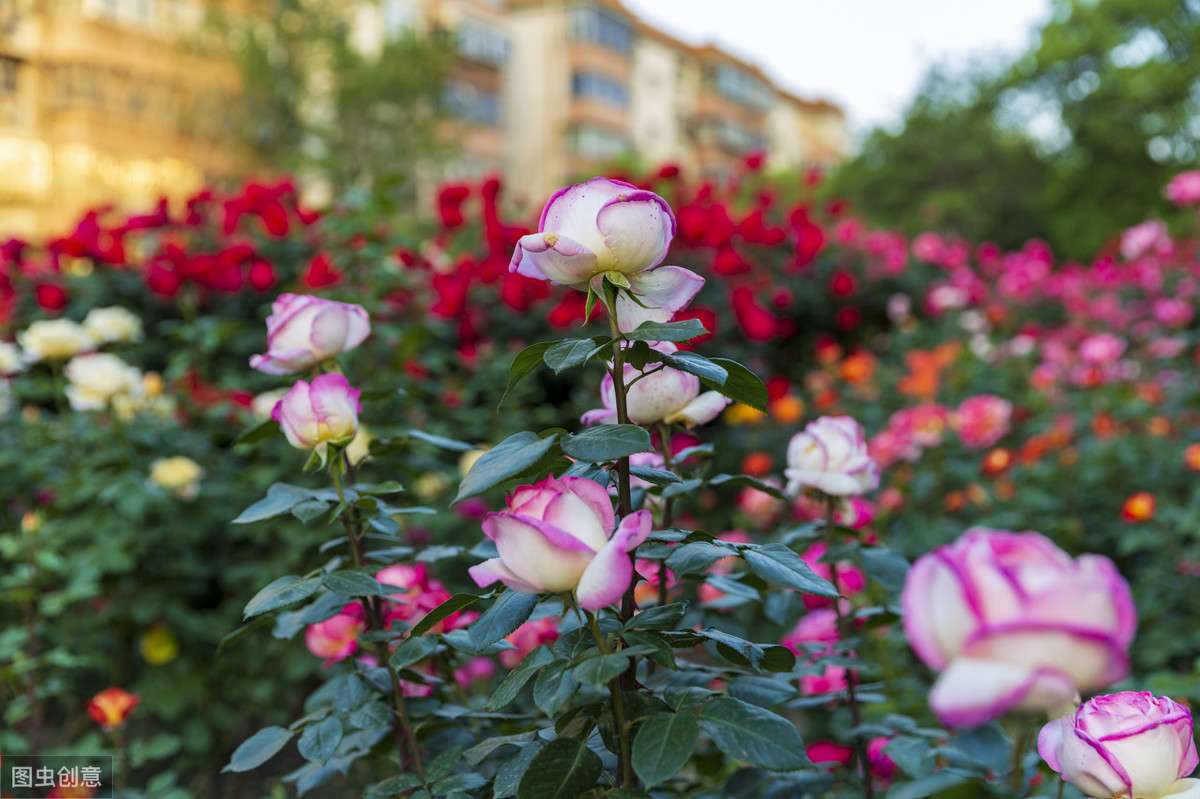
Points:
point(105, 101)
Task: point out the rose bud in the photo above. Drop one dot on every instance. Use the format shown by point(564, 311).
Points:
point(303, 331)
point(665, 395)
point(312, 417)
point(111, 707)
point(831, 457)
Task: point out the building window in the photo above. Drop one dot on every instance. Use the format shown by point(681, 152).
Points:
point(734, 138)
point(742, 88)
point(591, 24)
point(482, 42)
point(465, 101)
point(598, 86)
point(596, 142)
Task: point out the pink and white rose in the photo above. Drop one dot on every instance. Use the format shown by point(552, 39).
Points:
point(303, 331)
point(609, 227)
point(562, 535)
point(982, 421)
point(831, 456)
point(1013, 623)
point(665, 395)
point(1184, 188)
point(317, 415)
point(1127, 744)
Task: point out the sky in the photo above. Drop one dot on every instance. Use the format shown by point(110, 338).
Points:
point(868, 56)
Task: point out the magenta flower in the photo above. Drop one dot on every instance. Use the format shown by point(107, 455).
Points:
point(1184, 188)
point(1126, 744)
point(303, 330)
point(336, 638)
point(561, 535)
point(665, 395)
point(314, 416)
point(608, 227)
point(983, 420)
point(1015, 624)
point(831, 456)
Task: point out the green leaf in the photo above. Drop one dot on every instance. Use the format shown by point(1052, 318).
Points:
point(777, 564)
point(563, 769)
point(280, 499)
point(747, 480)
point(259, 431)
point(684, 330)
point(553, 687)
point(287, 590)
point(412, 650)
point(598, 671)
point(310, 509)
point(885, 566)
point(740, 384)
point(652, 645)
point(695, 364)
point(658, 477)
point(351, 583)
point(507, 613)
point(743, 652)
point(258, 749)
point(569, 353)
point(509, 775)
point(526, 361)
point(754, 735)
point(590, 304)
point(443, 611)
point(477, 753)
point(386, 487)
point(663, 746)
point(443, 764)
point(399, 784)
point(530, 665)
point(606, 442)
point(658, 618)
point(240, 631)
point(696, 556)
point(440, 441)
point(319, 742)
point(506, 460)
point(913, 756)
point(926, 786)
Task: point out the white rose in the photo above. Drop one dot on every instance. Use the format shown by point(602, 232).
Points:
point(97, 378)
point(10, 359)
point(831, 456)
point(106, 325)
point(53, 339)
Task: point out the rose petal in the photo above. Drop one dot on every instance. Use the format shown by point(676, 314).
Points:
point(702, 410)
point(488, 572)
point(553, 257)
point(664, 291)
point(637, 227)
point(972, 692)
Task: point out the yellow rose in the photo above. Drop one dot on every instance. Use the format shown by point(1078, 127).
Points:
point(54, 339)
point(179, 475)
point(112, 324)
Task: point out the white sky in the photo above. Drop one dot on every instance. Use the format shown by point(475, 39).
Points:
point(868, 56)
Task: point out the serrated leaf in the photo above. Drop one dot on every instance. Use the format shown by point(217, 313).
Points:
point(658, 477)
point(926, 786)
point(740, 384)
point(553, 687)
point(412, 650)
point(683, 330)
point(280, 499)
point(506, 460)
point(386, 487)
point(696, 557)
point(754, 735)
point(309, 509)
point(399, 784)
point(598, 671)
point(510, 774)
point(777, 564)
point(607, 442)
point(653, 646)
point(319, 742)
point(444, 611)
point(696, 364)
point(287, 590)
point(259, 431)
point(569, 353)
point(441, 441)
point(507, 613)
point(523, 364)
point(663, 745)
point(258, 749)
point(516, 679)
point(658, 618)
point(480, 751)
point(885, 566)
point(563, 769)
point(351, 583)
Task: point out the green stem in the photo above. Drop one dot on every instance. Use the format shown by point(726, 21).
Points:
point(29, 610)
point(664, 448)
point(1016, 780)
point(844, 631)
point(374, 617)
point(1061, 784)
point(625, 775)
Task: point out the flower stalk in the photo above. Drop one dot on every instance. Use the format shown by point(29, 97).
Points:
point(625, 777)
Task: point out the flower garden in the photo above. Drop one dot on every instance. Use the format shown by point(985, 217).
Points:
point(680, 489)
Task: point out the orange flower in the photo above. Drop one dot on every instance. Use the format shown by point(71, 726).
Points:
point(955, 501)
point(111, 707)
point(756, 464)
point(787, 410)
point(858, 367)
point(996, 462)
point(1138, 508)
point(1104, 426)
point(1191, 457)
point(1159, 427)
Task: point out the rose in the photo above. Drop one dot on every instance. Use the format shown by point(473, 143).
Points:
point(312, 417)
point(982, 421)
point(831, 456)
point(336, 638)
point(1014, 623)
point(561, 535)
point(664, 395)
point(179, 475)
point(1101, 349)
point(1142, 238)
point(10, 359)
point(111, 707)
point(54, 339)
point(606, 227)
point(112, 324)
point(1184, 188)
point(1127, 744)
point(96, 379)
point(303, 330)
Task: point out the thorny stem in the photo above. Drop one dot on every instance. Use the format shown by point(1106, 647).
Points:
point(843, 627)
point(371, 607)
point(664, 448)
point(624, 762)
